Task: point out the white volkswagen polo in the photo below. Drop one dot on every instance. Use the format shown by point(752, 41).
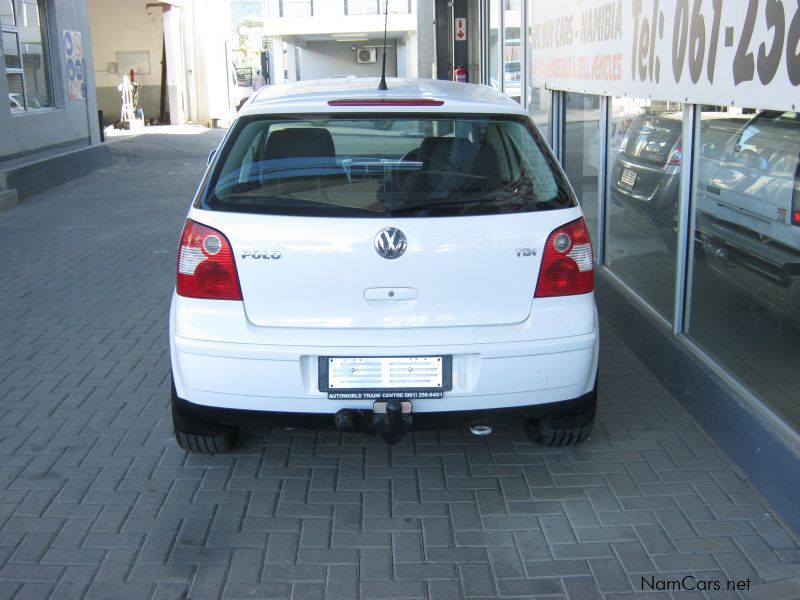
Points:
point(382, 261)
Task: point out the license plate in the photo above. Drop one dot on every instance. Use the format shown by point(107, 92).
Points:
point(406, 377)
point(628, 178)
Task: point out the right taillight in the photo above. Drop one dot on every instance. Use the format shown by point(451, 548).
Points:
point(676, 156)
point(567, 262)
point(205, 265)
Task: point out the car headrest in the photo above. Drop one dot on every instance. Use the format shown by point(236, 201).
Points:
point(460, 156)
point(428, 145)
point(298, 142)
point(454, 154)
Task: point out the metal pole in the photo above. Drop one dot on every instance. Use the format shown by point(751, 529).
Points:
point(523, 55)
point(501, 40)
point(684, 215)
point(602, 173)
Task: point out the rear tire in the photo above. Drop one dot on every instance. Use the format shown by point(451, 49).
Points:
point(199, 436)
point(565, 429)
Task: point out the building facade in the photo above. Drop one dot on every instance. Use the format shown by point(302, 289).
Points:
point(179, 55)
point(314, 39)
point(47, 74)
point(679, 127)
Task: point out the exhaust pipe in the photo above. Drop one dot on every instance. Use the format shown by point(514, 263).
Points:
point(480, 429)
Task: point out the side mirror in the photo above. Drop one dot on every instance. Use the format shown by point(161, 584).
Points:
point(211, 156)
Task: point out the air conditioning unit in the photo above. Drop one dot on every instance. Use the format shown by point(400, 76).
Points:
point(367, 55)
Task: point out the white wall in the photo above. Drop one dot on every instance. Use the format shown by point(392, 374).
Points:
point(321, 59)
point(425, 49)
point(211, 74)
point(411, 60)
point(126, 25)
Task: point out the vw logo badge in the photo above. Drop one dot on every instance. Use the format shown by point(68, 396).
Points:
point(390, 243)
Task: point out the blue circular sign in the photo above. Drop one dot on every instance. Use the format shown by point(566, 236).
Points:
point(79, 70)
point(68, 43)
point(71, 69)
point(83, 91)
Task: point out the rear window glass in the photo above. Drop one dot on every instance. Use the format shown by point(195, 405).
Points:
point(771, 142)
point(651, 139)
point(399, 166)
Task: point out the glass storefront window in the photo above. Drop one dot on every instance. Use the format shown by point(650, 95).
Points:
point(744, 307)
point(494, 43)
point(539, 100)
point(302, 8)
point(512, 49)
point(24, 45)
point(11, 50)
point(644, 171)
point(582, 152)
point(363, 7)
point(15, 95)
point(7, 12)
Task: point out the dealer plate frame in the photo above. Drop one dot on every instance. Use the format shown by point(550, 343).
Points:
point(405, 393)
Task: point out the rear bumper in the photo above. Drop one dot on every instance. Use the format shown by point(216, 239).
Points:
point(195, 417)
point(484, 377)
point(279, 377)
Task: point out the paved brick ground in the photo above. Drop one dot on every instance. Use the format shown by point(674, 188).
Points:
point(96, 499)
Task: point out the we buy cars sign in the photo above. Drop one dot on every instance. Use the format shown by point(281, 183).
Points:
point(720, 52)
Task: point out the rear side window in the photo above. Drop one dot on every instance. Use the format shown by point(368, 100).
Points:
point(398, 166)
point(770, 142)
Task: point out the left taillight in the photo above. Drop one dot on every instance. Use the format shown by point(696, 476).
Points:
point(206, 268)
point(676, 156)
point(567, 265)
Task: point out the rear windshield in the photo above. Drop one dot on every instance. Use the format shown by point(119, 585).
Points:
point(651, 139)
point(403, 166)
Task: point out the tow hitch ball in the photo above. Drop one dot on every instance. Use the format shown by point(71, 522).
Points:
point(392, 423)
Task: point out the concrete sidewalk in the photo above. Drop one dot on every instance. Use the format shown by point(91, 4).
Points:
point(97, 500)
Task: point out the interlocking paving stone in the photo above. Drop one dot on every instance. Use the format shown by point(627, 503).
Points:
point(96, 499)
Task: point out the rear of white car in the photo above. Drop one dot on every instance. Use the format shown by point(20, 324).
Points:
point(334, 273)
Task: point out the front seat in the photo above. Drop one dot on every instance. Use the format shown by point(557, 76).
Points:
point(300, 158)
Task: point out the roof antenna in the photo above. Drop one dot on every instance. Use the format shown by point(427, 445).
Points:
point(382, 84)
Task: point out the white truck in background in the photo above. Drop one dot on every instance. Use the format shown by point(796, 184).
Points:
point(748, 197)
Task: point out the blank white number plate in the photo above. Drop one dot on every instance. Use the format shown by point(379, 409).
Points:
point(390, 373)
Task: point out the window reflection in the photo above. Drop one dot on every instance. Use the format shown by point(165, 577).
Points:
point(24, 46)
point(7, 12)
point(582, 152)
point(15, 96)
point(644, 166)
point(494, 43)
point(745, 291)
point(512, 50)
point(539, 110)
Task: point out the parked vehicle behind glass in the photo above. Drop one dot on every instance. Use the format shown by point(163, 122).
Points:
point(748, 196)
point(646, 174)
